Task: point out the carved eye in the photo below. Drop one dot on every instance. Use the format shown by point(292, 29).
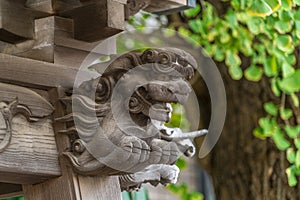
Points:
point(164, 58)
point(182, 61)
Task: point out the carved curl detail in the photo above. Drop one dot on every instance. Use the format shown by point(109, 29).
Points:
point(7, 112)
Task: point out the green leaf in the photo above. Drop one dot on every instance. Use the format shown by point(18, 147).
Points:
point(254, 25)
point(259, 132)
point(235, 72)
point(219, 54)
point(292, 180)
point(196, 25)
point(292, 131)
point(291, 155)
point(297, 159)
point(287, 70)
point(295, 99)
point(253, 73)
point(270, 66)
point(181, 163)
point(297, 143)
point(196, 196)
point(271, 108)
point(283, 26)
point(274, 4)
point(287, 4)
point(286, 15)
point(268, 126)
point(285, 113)
point(264, 8)
point(232, 59)
point(281, 143)
point(291, 84)
point(193, 12)
point(297, 15)
point(275, 87)
point(284, 42)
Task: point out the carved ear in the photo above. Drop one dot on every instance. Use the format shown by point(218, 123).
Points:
point(104, 89)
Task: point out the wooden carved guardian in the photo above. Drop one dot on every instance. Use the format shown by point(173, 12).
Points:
point(116, 123)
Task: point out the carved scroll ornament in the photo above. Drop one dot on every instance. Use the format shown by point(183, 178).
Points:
point(19, 100)
point(116, 126)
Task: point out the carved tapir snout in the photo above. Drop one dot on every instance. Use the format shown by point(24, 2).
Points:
point(171, 91)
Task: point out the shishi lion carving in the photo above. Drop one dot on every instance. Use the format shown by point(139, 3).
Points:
point(116, 126)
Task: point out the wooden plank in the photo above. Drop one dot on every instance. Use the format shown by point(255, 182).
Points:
point(99, 188)
point(32, 156)
point(37, 73)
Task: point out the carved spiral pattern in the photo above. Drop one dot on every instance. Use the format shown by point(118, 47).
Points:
point(135, 106)
point(104, 89)
point(149, 56)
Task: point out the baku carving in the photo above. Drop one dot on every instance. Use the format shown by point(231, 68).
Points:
point(116, 124)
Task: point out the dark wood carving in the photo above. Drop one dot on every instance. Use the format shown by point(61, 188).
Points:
point(116, 123)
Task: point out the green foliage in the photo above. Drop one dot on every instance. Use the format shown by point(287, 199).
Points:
point(267, 33)
point(184, 193)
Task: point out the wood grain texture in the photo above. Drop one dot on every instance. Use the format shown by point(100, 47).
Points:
point(31, 156)
point(65, 186)
point(37, 74)
point(39, 106)
point(97, 21)
point(99, 188)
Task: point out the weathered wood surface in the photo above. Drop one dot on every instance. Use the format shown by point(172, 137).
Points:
point(39, 106)
point(32, 155)
point(70, 186)
point(65, 186)
point(99, 188)
point(92, 23)
point(37, 74)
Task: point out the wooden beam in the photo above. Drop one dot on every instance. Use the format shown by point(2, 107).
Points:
point(37, 73)
point(97, 21)
point(32, 156)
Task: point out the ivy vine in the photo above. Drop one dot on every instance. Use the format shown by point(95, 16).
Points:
point(267, 32)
